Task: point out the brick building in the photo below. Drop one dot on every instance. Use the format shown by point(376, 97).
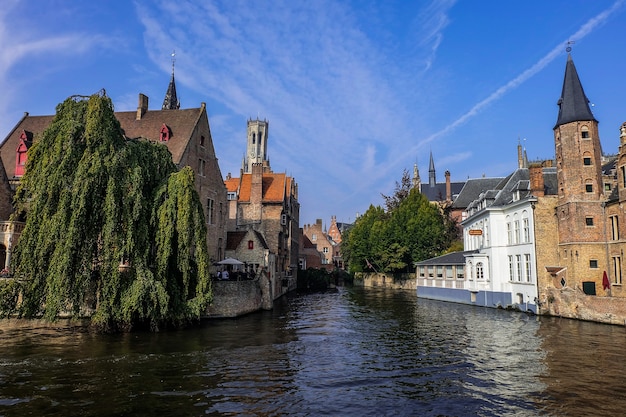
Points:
point(325, 246)
point(185, 132)
point(266, 202)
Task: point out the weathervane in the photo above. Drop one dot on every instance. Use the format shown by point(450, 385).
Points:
point(569, 48)
point(173, 60)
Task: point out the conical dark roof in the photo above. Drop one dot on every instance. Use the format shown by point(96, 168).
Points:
point(573, 104)
point(171, 100)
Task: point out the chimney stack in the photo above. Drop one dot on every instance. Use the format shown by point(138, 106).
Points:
point(448, 187)
point(142, 108)
point(537, 186)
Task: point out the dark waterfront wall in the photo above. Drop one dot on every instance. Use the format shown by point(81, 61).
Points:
point(235, 298)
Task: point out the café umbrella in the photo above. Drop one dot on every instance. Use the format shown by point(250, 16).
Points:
point(230, 261)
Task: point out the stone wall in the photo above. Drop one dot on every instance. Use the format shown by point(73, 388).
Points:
point(573, 303)
point(235, 298)
point(406, 281)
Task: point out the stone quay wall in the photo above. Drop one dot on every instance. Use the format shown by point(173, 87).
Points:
point(405, 281)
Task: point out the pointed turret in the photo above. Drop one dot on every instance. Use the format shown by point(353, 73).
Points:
point(432, 179)
point(171, 100)
point(416, 177)
point(573, 104)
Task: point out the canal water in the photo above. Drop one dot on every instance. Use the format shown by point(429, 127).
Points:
point(356, 352)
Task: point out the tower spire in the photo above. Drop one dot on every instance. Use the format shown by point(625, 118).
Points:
point(432, 178)
point(171, 100)
point(573, 104)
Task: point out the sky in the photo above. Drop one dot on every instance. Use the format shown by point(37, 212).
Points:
point(355, 92)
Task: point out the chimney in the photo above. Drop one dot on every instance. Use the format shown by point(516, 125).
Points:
point(520, 156)
point(448, 187)
point(142, 108)
point(537, 187)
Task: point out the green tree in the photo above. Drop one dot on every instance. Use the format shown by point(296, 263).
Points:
point(411, 230)
point(356, 246)
point(399, 193)
point(111, 226)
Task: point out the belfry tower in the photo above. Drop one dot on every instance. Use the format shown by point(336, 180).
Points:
point(579, 174)
point(256, 149)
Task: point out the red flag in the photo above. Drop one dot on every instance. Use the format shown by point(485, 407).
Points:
point(605, 281)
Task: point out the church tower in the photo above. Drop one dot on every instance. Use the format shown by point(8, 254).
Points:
point(256, 149)
point(579, 176)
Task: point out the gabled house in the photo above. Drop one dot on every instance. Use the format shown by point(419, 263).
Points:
point(185, 132)
point(250, 247)
point(324, 245)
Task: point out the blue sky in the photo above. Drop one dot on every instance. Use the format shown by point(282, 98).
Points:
point(355, 91)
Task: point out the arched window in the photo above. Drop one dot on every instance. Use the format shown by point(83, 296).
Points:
point(587, 158)
point(253, 138)
point(480, 273)
point(584, 132)
point(250, 244)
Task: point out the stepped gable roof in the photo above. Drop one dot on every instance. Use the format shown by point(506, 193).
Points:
point(473, 188)
point(573, 104)
point(453, 258)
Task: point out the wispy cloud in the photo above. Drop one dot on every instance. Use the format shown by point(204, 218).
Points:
point(583, 31)
point(432, 21)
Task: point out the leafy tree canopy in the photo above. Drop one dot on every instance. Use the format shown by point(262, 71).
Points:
point(412, 229)
point(113, 229)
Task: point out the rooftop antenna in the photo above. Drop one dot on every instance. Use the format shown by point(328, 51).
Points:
point(568, 49)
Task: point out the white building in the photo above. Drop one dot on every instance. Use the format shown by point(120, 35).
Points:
point(499, 248)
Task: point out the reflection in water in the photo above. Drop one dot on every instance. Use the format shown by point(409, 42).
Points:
point(352, 353)
point(585, 372)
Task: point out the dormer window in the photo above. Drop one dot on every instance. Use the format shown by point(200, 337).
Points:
point(21, 155)
point(164, 135)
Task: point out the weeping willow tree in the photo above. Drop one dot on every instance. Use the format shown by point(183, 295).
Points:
point(113, 229)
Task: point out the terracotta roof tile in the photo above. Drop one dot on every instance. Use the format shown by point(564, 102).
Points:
point(232, 184)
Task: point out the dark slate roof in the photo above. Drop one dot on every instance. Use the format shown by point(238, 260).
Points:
point(573, 104)
point(438, 192)
point(453, 258)
point(610, 167)
point(234, 239)
point(472, 189)
point(549, 181)
point(170, 102)
point(518, 182)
